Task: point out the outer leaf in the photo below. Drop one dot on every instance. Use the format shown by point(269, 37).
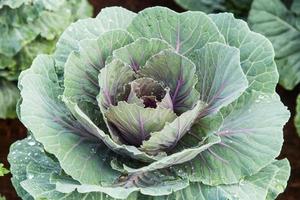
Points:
point(177, 73)
point(184, 31)
point(244, 148)
point(42, 177)
point(108, 19)
point(208, 125)
point(221, 79)
point(280, 179)
point(52, 124)
point(19, 159)
point(9, 95)
point(279, 25)
point(167, 138)
point(253, 187)
point(137, 53)
point(256, 52)
point(136, 123)
point(36, 173)
point(151, 183)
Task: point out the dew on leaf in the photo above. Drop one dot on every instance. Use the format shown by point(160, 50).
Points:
point(31, 143)
point(93, 150)
point(30, 176)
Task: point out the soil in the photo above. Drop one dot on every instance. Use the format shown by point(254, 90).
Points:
point(291, 146)
point(12, 130)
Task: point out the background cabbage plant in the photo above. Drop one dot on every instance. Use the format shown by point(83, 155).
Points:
point(154, 105)
point(28, 28)
point(238, 7)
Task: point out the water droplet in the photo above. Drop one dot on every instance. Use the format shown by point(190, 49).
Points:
point(93, 150)
point(235, 195)
point(31, 143)
point(30, 176)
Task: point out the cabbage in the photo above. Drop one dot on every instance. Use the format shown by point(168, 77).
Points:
point(153, 105)
point(28, 28)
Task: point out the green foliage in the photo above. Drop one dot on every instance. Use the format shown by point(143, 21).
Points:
point(29, 28)
point(238, 7)
point(9, 95)
point(3, 170)
point(153, 105)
